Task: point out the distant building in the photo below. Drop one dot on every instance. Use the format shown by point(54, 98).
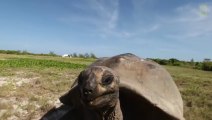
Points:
point(66, 55)
point(207, 60)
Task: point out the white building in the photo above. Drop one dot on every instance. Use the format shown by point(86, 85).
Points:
point(66, 55)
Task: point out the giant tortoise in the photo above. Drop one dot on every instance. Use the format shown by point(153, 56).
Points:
point(123, 87)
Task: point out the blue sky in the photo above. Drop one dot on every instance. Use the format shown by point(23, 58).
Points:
point(179, 29)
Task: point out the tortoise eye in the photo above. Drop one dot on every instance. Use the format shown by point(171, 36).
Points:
point(107, 80)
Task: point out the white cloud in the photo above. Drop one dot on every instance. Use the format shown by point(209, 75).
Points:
point(188, 23)
point(152, 28)
point(103, 18)
point(113, 19)
point(190, 13)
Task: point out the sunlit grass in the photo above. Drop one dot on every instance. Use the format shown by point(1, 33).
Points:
point(27, 63)
point(196, 89)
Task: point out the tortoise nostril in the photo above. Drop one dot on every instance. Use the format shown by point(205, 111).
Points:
point(87, 91)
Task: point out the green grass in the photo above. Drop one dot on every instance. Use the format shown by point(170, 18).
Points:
point(196, 90)
point(85, 61)
point(28, 62)
point(44, 79)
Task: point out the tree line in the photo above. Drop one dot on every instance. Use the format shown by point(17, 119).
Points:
point(86, 55)
point(206, 64)
point(25, 52)
point(51, 53)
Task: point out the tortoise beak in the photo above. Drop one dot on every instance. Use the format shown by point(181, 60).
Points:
point(87, 94)
point(88, 91)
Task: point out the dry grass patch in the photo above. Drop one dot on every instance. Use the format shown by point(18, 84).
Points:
point(29, 93)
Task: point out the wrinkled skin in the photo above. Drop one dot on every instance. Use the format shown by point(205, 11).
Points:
point(98, 87)
point(99, 92)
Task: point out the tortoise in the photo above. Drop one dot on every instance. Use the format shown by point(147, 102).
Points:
point(122, 87)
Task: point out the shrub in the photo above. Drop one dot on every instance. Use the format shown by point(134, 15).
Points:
point(93, 55)
point(207, 66)
point(51, 53)
point(160, 61)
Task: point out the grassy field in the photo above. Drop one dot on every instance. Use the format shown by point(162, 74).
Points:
point(30, 86)
point(196, 90)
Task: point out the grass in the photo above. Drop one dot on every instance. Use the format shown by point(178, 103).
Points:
point(28, 62)
point(196, 90)
point(84, 61)
point(34, 83)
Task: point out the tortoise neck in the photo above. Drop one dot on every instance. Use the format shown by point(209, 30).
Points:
point(112, 113)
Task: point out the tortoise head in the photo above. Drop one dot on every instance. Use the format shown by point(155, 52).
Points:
point(99, 87)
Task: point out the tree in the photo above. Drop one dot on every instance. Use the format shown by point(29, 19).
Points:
point(51, 53)
point(86, 55)
point(81, 55)
point(192, 62)
point(25, 52)
point(93, 55)
point(174, 62)
point(74, 55)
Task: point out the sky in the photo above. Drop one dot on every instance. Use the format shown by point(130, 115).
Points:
point(164, 29)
